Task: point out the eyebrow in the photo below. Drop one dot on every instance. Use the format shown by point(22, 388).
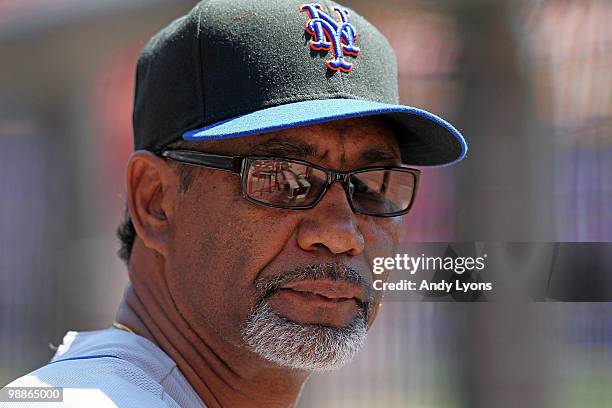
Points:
point(302, 150)
point(386, 155)
point(284, 147)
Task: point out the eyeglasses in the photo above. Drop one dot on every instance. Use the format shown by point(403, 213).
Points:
point(382, 191)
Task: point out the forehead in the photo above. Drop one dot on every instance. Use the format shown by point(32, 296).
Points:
point(369, 139)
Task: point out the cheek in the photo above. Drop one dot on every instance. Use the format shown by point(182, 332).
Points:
point(381, 235)
point(219, 245)
point(382, 238)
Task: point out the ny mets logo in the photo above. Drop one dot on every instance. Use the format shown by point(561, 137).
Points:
point(330, 34)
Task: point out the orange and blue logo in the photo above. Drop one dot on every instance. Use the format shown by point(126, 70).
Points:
point(329, 34)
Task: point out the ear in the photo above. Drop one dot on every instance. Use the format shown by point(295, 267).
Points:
point(152, 188)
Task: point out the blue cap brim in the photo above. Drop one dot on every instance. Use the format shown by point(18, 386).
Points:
point(425, 139)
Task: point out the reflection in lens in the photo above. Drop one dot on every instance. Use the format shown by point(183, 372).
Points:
point(286, 183)
point(382, 191)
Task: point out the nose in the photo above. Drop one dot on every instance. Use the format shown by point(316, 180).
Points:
point(332, 225)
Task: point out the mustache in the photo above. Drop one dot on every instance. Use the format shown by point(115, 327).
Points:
point(268, 286)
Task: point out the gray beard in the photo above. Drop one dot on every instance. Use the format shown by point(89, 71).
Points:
point(310, 347)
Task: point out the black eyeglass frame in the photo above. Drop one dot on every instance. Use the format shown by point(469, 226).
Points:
point(239, 164)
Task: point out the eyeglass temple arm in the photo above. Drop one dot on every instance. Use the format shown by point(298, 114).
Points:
point(215, 161)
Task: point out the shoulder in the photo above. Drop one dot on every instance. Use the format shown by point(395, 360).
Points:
point(107, 368)
point(98, 381)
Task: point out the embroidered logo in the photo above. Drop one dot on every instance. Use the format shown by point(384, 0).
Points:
point(329, 34)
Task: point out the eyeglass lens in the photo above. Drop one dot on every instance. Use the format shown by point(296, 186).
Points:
point(292, 184)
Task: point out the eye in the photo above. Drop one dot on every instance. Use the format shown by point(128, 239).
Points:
point(358, 187)
point(361, 188)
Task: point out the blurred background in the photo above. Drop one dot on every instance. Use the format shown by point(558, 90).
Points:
point(528, 82)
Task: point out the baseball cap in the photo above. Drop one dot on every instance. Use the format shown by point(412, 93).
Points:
point(237, 68)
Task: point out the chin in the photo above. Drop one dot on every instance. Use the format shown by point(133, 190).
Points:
point(303, 346)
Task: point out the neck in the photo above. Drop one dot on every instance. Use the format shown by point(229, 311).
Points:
point(222, 374)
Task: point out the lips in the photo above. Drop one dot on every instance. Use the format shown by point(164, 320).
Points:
point(318, 301)
point(330, 290)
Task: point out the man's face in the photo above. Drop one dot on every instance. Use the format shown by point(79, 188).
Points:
point(250, 273)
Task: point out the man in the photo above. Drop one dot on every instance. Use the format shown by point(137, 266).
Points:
point(268, 166)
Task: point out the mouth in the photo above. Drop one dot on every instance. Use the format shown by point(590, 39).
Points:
point(329, 294)
point(324, 290)
point(323, 302)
